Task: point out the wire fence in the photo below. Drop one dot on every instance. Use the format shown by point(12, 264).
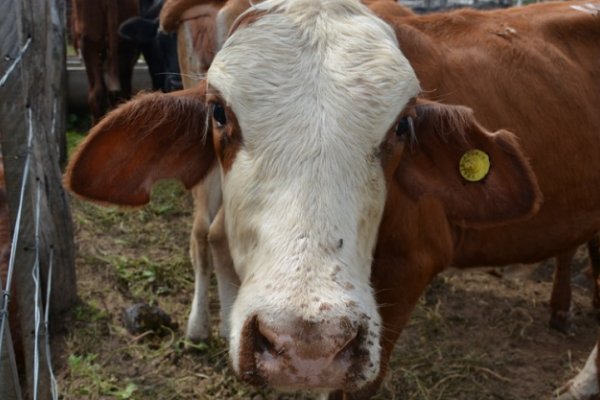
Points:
point(41, 330)
point(32, 123)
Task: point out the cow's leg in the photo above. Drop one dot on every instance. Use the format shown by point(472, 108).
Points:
point(227, 280)
point(92, 53)
point(560, 300)
point(90, 26)
point(198, 327)
point(128, 56)
point(122, 54)
point(594, 252)
point(205, 200)
point(113, 41)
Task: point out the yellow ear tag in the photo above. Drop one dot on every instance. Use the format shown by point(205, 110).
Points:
point(474, 165)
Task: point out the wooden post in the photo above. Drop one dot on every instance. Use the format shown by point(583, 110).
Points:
point(32, 102)
point(9, 376)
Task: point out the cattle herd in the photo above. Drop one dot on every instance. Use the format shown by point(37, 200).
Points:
point(341, 154)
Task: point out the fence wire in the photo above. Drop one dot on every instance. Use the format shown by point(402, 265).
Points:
point(40, 328)
point(17, 230)
point(53, 383)
point(35, 274)
point(38, 297)
point(15, 62)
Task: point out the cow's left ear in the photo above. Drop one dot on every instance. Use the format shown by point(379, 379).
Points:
point(482, 178)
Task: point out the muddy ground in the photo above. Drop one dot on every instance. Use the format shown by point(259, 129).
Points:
point(475, 335)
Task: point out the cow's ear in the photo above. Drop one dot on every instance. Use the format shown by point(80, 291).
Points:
point(152, 137)
point(482, 178)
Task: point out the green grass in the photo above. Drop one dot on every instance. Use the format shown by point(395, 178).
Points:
point(87, 368)
point(77, 128)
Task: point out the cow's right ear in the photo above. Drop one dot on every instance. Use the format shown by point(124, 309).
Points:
point(152, 137)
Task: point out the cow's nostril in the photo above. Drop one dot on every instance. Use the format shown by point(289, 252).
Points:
point(265, 339)
point(353, 347)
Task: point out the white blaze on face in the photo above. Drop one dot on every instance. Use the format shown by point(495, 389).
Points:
point(315, 86)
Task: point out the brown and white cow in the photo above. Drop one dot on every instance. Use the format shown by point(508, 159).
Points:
point(359, 157)
point(194, 21)
point(95, 26)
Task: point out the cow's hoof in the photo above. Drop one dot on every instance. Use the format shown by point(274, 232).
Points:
point(224, 331)
point(562, 322)
point(195, 339)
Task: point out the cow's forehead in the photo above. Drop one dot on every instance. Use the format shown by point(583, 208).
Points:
point(307, 62)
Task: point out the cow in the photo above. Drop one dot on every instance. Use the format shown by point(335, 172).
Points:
point(194, 22)
point(95, 25)
point(159, 49)
point(359, 156)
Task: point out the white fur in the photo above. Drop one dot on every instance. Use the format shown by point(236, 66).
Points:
point(585, 384)
point(315, 85)
point(207, 200)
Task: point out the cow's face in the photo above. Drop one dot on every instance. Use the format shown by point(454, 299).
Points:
point(302, 99)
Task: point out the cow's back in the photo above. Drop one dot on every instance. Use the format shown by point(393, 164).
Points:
point(536, 74)
point(197, 43)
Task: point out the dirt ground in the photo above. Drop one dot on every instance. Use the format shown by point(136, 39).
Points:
point(475, 335)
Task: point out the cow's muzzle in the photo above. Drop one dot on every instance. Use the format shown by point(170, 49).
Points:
point(330, 354)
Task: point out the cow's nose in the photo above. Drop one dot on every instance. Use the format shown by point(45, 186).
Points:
point(319, 355)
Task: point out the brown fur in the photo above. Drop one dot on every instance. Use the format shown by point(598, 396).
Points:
point(173, 11)
point(138, 125)
point(388, 8)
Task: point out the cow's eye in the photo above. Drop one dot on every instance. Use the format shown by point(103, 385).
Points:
point(218, 113)
point(405, 126)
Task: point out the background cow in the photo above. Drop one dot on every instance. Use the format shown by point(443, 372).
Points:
point(159, 49)
point(321, 133)
point(195, 24)
point(194, 21)
point(95, 25)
